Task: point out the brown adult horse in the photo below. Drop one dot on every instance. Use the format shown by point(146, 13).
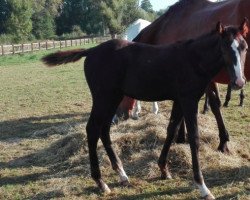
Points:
point(178, 72)
point(184, 20)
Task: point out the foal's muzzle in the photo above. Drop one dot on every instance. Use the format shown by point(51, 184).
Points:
point(238, 84)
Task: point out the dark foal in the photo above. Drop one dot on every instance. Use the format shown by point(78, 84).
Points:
point(178, 72)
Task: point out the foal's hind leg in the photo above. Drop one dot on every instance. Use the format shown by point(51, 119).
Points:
point(106, 140)
point(181, 136)
point(174, 123)
point(206, 104)
point(99, 121)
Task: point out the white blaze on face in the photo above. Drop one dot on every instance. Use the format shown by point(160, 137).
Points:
point(237, 67)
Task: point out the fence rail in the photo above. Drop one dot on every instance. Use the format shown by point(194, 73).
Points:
point(46, 45)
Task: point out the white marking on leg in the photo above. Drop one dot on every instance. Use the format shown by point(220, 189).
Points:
point(238, 68)
point(204, 190)
point(106, 188)
point(155, 108)
point(122, 174)
point(136, 110)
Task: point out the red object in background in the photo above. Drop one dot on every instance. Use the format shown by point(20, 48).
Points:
point(125, 107)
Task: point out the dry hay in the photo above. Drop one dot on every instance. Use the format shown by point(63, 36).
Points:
point(139, 144)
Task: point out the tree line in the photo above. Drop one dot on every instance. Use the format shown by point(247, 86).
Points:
point(24, 20)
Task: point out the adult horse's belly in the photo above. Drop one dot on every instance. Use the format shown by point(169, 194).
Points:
point(222, 77)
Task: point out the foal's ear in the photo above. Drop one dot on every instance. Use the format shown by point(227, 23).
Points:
point(244, 29)
point(219, 28)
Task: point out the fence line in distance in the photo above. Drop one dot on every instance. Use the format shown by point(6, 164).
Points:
point(46, 45)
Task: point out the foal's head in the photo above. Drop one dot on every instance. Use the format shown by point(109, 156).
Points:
point(234, 49)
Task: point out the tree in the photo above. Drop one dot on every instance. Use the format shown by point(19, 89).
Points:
point(19, 23)
point(43, 25)
point(117, 14)
point(83, 13)
point(43, 18)
point(4, 14)
point(112, 12)
point(147, 6)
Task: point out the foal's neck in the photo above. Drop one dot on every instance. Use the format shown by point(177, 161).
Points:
point(207, 55)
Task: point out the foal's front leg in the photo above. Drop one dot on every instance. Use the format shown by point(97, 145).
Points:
point(223, 133)
point(228, 96)
point(242, 96)
point(190, 110)
point(174, 123)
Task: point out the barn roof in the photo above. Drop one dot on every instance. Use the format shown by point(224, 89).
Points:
point(135, 28)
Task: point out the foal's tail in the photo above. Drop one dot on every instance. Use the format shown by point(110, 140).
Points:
point(63, 57)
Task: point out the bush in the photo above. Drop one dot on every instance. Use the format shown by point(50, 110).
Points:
point(75, 33)
point(6, 39)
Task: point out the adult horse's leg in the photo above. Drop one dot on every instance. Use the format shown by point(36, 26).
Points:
point(215, 107)
point(98, 126)
point(228, 96)
point(174, 123)
point(136, 110)
point(242, 96)
point(155, 108)
point(190, 111)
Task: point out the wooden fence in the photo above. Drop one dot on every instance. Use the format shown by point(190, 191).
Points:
point(37, 46)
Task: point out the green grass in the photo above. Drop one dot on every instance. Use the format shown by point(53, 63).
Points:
point(43, 155)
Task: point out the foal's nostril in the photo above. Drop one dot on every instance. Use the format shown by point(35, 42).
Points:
point(240, 83)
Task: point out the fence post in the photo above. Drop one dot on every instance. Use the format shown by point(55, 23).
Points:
point(31, 46)
point(54, 46)
point(46, 45)
point(65, 43)
point(2, 50)
point(60, 44)
point(13, 49)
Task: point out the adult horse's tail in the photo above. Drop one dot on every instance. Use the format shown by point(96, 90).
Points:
point(63, 57)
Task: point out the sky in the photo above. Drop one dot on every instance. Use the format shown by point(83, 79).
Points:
point(162, 4)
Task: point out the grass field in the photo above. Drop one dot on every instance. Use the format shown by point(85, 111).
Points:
point(43, 152)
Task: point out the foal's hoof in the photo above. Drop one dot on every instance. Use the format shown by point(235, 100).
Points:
point(125, 183)
point(106, 189)
point(225, 105)
point(165, 175)
point(103, 187)
point(209, 197)
point(223, 148)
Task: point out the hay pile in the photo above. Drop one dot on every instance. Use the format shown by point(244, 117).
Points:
point(139, 144)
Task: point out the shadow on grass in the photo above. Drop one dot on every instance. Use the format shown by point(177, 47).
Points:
point(142, 195)
point(13, 180)
point(47, 195)
point(23, 128)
